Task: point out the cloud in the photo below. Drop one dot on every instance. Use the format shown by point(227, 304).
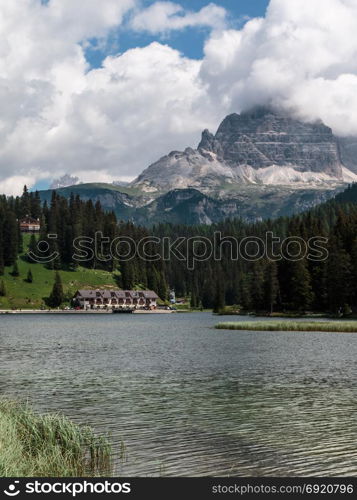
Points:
point(60, 116)
point(302, 56)
point(162, 17)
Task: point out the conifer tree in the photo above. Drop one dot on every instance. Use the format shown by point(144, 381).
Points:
point(2, 289)
point(10, 238)
point(193, 300)
point(300, 286)
point(57, 295)
point(20, 240)
point(25, 203)
point(219, 302)
point(29, 278)
point(2, 268)
point(32, 249)
point(15, 270)
point(162, 287)
point(208, 295)
point(338, 276)
point(271, 286)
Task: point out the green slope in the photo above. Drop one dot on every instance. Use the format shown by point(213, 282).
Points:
point(24, 295)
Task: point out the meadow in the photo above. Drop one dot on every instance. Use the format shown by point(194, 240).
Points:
point(20, 294)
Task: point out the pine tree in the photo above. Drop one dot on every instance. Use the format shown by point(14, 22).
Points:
point(10, 238)
point(208, 295)
point(257, 288)
point(57, 295)
point(271, 286)
point(128, 275)
point(25, 203)
point(15, 270)
point(29, 276)
point(219, 302)
point(2, 267)
point(339, 277)
point(246, 298)
point(2, 289)
point(32, 249)
point(162, 287)
point(193, 300)
point(300, 286)
point(35, 205)
point(20, 241)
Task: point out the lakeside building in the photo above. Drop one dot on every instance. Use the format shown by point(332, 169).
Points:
point(115, 299)
point(30, 225)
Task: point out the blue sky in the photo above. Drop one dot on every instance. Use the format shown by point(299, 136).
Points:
point(189, 41)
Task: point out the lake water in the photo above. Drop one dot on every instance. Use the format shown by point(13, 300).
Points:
point(189, 400)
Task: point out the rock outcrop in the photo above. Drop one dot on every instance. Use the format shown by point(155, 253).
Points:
point(260, 146)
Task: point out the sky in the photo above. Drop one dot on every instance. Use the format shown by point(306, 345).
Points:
point(189, 41)
point(100, 90)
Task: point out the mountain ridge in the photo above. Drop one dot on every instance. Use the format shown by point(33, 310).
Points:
point(245, 146)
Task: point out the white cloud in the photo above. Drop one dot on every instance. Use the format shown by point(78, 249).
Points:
point(162, 17)
point(60, 116)
point(301, 56)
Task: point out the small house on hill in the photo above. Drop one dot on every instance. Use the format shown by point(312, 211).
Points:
point(115, 299)
point(29, 225)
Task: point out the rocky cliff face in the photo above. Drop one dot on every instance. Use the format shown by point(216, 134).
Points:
point(260, 146)
point(348, 150)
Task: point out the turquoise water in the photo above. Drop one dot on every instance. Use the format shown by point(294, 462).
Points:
point(189, 400)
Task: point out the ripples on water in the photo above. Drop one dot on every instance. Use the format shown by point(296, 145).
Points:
point(188, 400)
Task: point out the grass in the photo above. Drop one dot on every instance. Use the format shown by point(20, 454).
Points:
point(48, 445)
point(291, 326)
point(24, 295)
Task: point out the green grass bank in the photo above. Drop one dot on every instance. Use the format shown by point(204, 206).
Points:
point(48, 445)
point(291, 326)
point(23, 295)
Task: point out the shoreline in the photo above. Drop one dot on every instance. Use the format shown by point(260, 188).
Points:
point(100, 311)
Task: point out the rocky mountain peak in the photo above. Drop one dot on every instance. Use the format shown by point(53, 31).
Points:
point(258, 146)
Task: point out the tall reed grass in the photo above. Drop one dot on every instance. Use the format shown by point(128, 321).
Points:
point(48, 445)
point(291, 326)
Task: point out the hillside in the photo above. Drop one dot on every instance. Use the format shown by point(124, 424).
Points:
point(24, 295)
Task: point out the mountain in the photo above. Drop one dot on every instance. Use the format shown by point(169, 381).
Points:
point(120, 199)
point(64, 181)
point(257, 147)
point(259, 164)
point(191, 206)
point(348, 150)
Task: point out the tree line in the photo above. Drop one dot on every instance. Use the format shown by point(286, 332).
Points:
point(264, 284)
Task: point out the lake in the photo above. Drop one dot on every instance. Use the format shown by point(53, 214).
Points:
point(189, 400)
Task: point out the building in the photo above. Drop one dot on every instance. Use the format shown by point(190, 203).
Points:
point(115, 299)
point(29, 225)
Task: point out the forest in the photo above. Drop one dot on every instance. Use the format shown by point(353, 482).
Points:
point(262, 285)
